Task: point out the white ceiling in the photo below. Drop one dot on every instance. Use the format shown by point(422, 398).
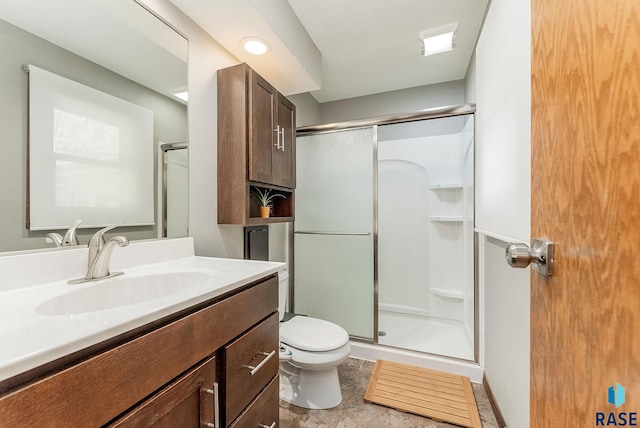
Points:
point(363, 46)
point(372, 46)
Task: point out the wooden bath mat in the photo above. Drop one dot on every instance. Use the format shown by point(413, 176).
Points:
point(440, 396)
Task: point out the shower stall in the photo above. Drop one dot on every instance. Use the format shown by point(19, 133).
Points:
point(383, 242)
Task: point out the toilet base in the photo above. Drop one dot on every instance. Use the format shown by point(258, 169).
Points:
point(310, 389)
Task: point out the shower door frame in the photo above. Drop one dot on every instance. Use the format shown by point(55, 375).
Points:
point(433, 113)
point(164, 157)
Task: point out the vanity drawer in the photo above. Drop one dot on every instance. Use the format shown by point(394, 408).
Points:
point(94, 391)
point(264, 411)
point(251, 362)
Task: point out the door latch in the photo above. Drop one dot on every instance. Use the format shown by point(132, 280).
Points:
point(541, 255)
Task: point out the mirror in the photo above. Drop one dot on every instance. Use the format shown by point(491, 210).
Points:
point(114, 46)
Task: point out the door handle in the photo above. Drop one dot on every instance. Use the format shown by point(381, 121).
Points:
point(277, 131)
point(541, 255)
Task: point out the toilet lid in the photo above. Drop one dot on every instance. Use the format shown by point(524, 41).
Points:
point(311, 334)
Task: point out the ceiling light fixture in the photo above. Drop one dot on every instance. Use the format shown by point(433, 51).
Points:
point(255, 46)
point(181, 94)
point(184, 95)
point(438, 39)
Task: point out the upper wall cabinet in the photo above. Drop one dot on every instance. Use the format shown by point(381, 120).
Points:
point(271, 134)
point(256, 147)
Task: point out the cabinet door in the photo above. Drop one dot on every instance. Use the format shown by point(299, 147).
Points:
point(189, 401)
point(262, 128)
point(284, 155)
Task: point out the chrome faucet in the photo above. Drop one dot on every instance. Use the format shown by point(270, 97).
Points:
point(70, 238)
point(100, 255)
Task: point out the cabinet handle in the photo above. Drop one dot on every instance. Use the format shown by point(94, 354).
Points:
point(255, 369)
point(273, 425)
point(277, 131)
point(282, 139)
point(216, 406)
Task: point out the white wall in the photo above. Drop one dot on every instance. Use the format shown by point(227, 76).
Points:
point(307, 109)
point(502, 81)
point(470, 81)
point(205, 57)
point(401, 101)
point(506, 359)
point(503, 114)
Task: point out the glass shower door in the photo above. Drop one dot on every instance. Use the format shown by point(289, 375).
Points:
point(334, 229)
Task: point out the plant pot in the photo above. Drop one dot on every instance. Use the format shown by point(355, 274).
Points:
point(264, 212)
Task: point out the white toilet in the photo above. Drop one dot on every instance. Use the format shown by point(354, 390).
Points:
point(311, 351)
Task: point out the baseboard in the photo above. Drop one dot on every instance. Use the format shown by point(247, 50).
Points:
point(494, 404)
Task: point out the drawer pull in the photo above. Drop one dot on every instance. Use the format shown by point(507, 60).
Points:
point(273, 425)
point(255, 369)
point(216, 406)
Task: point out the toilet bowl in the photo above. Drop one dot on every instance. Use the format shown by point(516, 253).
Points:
point(310, 352)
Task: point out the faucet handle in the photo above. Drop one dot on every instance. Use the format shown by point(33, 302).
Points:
point(71, 238)
point(53, 238)
point(97, 240)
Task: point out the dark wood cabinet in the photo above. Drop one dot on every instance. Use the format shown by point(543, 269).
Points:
point(182, 371)
point(264, 410)
point(284, 157)
point(262, 132)
point(256, 147)
point(251, 362)
point(186, 402)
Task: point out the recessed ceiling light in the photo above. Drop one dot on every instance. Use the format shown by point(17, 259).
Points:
point(439, 39)
point(255, 46)
point(182, 95)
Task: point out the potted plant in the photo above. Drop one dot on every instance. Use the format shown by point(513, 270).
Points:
point(265, 198)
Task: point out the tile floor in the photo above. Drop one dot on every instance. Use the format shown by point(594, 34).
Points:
point(355, 413)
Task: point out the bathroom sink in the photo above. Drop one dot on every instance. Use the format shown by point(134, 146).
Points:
point(122, 291)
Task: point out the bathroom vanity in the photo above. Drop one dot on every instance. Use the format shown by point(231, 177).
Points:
point(202, 356)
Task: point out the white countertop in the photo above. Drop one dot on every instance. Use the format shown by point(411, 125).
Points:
point(29, 338)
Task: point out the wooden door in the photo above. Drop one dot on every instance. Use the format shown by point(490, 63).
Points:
point(185, 402)
point(262, 128)
point(585, 320)
point(284, 159)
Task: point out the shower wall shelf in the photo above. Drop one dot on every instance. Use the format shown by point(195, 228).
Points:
point(448, 205)
point(450, 294)
point(446, 219)
point(445, 186)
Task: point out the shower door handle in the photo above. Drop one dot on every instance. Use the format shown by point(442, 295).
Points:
point(541, 255)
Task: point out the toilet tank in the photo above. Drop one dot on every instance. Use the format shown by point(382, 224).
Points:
point(283, 292)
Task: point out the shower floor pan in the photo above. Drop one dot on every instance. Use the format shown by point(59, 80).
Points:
point(425, 334)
